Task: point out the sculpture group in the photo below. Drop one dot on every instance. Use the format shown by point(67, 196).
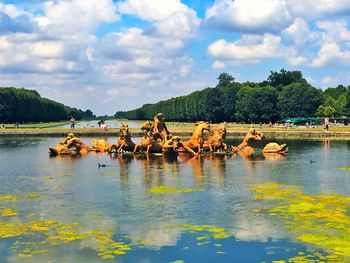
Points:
point(158, 139)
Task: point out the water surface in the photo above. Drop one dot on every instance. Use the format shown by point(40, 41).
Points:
point(116, 199)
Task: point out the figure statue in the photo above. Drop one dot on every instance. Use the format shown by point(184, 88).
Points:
point(160, 129)
point(155, 144)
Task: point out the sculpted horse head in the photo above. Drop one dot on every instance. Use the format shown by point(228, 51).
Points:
point(253, 135)
point(200, 126)
point(147, 126)
point(124, 129)
point(220, 131)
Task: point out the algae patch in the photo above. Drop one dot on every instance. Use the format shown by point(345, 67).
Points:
point(171, 190)
point(321, 220)
point(344, 168)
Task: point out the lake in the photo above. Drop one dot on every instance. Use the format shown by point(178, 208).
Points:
point(109, 123)
point(261, 208)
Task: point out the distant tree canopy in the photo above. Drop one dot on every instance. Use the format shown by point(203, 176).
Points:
point(284, 94)
point(21, 105)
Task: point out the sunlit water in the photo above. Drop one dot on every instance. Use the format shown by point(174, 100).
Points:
point(115, 198)
point(109, 124)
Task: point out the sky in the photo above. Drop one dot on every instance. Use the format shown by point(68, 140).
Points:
point(107, 56)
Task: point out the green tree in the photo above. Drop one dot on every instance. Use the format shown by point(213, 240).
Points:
point(326, 111)
point(299, 100)
point(284, 78)
point(225, 79)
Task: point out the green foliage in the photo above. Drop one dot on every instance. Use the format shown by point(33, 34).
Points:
point(284, 78)
point(21, 105)
point(257, 104)
point(326, 111)
point(299, 100)
point(225, 79)
point(284, 94)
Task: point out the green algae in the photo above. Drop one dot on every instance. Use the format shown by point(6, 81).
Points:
point(37, 236)
point(39, 166)
point(51, 233)
point(320, 220)
point(108, 173)
point(210, 231)
point(344, 168)
point(7, 211)
point(170, 190)
point(8, 198)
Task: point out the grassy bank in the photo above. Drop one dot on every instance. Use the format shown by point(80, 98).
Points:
point(185, 129)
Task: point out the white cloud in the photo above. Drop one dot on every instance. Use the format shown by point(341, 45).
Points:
point(219, 65)
point(251, 49)
point(335, 31)
point(311, 9)
point(169, 17)
point(248, 15)
point(299, 31)
point(77, 16)
point(331, 53)
point(261, 16)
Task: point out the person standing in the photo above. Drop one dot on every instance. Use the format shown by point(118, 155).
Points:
point(326, 124)
point(72, 123)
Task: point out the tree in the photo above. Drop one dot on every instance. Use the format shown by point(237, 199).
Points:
point(299, 100)
point(284, 78)
point(27, 105)
point(326, 111)
point(225, 79)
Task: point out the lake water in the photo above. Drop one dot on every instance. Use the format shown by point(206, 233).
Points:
point(109, 123)
point(67, 209)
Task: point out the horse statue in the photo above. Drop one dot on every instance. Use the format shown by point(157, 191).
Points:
point(216, 139)
point(196, 141)
point(101, 146)
point(70, 145)
point(146, 140)
point(252, 135)
point(124, 142)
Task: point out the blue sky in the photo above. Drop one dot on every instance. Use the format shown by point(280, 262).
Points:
point(109, 55)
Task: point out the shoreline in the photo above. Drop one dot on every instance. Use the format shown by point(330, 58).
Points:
point(135, 132)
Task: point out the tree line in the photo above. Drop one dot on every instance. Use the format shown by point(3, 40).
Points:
point(22, 105)
point(284, 94)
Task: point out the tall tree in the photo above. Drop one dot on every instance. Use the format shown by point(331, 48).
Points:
point(225, 79)
point(284, 78)
point(299, 100)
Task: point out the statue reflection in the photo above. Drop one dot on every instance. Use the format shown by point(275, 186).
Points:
point(274, 156)
point(251, 157)
point(155, 169)
point(197, 164)
point(124, 161)
point(217, 167)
